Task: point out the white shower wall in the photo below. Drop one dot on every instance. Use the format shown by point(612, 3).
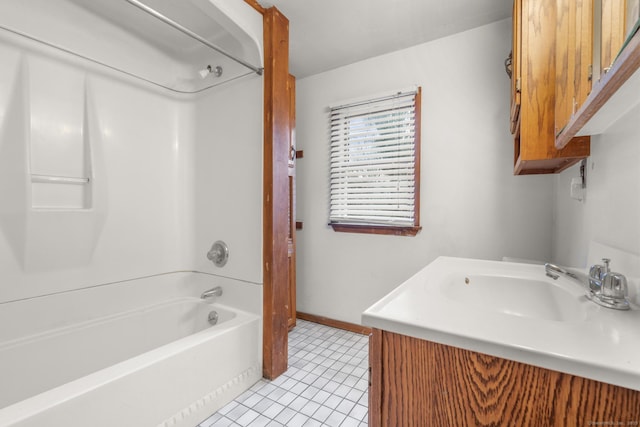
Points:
point(228, 178)
point(169, 174)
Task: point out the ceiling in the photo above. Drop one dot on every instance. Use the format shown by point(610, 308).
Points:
point(326, 34)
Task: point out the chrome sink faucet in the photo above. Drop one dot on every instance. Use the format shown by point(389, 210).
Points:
point(607, 288)
point(555, 271)
point(213, 292)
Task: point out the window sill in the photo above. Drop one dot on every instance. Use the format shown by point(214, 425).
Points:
point(375, 229)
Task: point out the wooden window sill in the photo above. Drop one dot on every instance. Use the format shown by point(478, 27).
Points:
point(376, 229)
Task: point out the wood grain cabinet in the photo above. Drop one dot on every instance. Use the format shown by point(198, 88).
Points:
point(291, 230)
point(516, 61)
point(612, 31)
point(574, 57)
point(533, 117)
point(420, 383)
point(620, 62)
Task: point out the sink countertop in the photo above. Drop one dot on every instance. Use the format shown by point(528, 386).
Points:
point(584, 339)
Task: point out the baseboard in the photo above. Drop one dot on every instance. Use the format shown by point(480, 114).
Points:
point(352, 327)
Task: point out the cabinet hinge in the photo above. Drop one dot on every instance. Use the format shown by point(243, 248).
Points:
point(369, 376)
point(517, 85)
point(590, 72)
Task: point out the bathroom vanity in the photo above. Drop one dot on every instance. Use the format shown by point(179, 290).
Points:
point(471, 342)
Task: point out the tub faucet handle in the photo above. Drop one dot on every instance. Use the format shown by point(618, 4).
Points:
point(219, 253)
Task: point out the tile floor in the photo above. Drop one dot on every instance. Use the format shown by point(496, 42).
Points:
point(326, 384)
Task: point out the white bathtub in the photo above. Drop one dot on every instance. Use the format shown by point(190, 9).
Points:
point(136, 353)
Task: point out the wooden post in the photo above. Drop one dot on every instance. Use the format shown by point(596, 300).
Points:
point(276, 193)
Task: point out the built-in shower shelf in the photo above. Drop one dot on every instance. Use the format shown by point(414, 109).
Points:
point(60, 192)
point(52, 179)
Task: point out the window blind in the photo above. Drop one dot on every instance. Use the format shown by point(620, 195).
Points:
point(373, 162)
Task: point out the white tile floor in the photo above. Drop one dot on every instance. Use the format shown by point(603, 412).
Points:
point(326, 384)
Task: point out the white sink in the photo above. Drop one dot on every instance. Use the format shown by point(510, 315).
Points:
point(516, 312)
point(515, 296)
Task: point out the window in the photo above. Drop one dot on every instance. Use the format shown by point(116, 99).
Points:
point(375, 165)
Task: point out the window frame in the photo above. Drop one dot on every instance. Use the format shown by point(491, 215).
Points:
point(409, 230)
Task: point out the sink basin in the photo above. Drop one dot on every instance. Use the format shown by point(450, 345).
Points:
point(516, 296)
point(514, 311)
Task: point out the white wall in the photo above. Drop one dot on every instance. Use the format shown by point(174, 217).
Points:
point(610, 212)
point(471, 204)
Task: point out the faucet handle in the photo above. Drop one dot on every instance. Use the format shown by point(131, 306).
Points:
point(606, 262)
point(614, 285)
point(596, 272)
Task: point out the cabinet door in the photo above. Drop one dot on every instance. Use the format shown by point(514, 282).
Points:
point(613, 31)
point(574, 47)
point(583, 76)
point(291, 235)
point(422, 383)
point(534, 141)
point(516, 61)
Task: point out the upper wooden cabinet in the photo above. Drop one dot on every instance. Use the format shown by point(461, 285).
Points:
point(611, 23)
point(574, 57)
point(534, 90)
point(616, 60)
point(516, 60)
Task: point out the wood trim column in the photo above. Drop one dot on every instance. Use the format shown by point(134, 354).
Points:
point(291, 307)
point(276, 193)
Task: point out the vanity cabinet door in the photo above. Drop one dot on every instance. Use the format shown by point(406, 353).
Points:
point(375, 378)
point(421, 383)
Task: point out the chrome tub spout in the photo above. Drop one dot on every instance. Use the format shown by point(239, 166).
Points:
point(214, 292)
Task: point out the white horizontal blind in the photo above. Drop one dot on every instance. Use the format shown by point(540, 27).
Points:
point(373, 148)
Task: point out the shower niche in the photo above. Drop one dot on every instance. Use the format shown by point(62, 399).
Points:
point(52, 209)
point(60, 145)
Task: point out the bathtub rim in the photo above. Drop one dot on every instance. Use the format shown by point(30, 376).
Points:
point(118, 315)
point(69, 307)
